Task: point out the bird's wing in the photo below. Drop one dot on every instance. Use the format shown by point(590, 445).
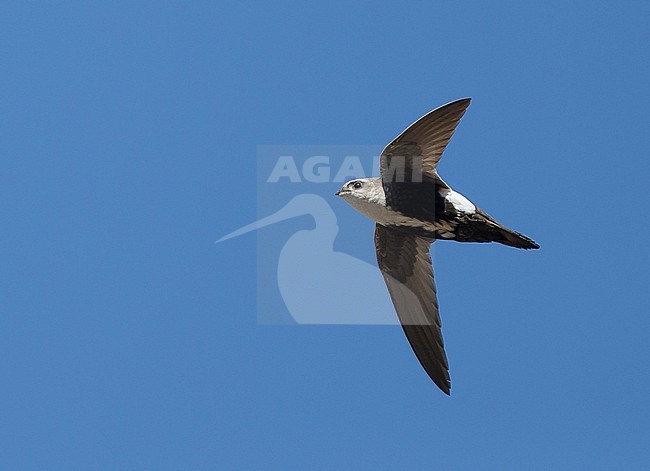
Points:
point(405, 263)
point(418, 149)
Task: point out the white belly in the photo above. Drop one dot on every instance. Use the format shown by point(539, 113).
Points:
point(387, 217)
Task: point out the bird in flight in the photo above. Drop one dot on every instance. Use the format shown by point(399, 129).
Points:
point(412, 207)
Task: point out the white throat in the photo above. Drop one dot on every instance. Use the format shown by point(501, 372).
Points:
point(372, 204)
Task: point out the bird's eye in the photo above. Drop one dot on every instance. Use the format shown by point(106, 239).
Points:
point(357, 185)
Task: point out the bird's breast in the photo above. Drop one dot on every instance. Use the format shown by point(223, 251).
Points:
point(387, 216)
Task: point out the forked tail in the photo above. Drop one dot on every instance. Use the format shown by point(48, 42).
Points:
point(487, 229)
point(514, 239)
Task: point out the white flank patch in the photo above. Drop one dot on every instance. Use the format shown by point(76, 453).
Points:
point(458, 201)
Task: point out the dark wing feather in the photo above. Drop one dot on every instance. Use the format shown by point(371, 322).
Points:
point(415, 153)
point(405, 263)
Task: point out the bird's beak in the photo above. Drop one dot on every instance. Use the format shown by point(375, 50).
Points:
point(287, 212)
point(338, 193)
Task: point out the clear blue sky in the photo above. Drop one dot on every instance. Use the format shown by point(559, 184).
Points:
point(128, 340)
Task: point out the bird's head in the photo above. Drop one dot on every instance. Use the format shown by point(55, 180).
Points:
point(361, 188)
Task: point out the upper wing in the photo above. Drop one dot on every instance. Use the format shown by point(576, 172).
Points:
point(415, 153)
point(405, 263)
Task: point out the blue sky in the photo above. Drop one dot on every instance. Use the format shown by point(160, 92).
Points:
point(129, 136)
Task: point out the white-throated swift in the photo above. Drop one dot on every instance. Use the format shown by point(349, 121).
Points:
point(412, 207)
